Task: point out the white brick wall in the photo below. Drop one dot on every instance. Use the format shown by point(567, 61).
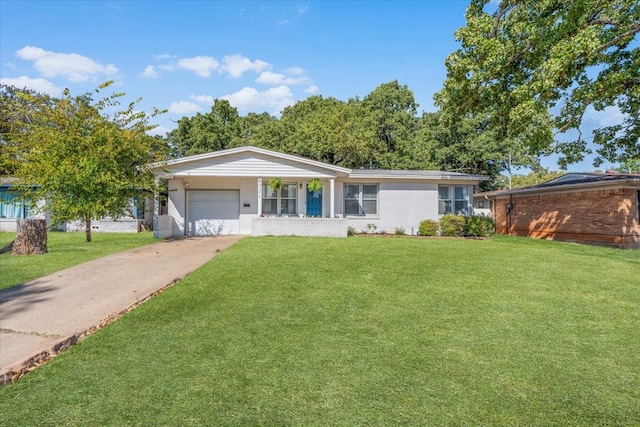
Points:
point(8, 224)
point(326, 227)
point(106, 226)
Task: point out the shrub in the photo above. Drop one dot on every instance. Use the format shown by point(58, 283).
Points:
point(400, 231)
point(478, 226)
point(452, 225)
point(428, 227)
point(351, 231)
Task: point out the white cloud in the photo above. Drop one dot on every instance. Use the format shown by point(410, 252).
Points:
point(163, 56)
point(312, 89)
point(158, 130)
point(184, 107)
point(73, 67)
point(203, 99)
point(608, 117)
point(250, 99)
point(201, 65)
point(150, 72)
point(38, 85)
point(236, 65)
point(269, 78)
point(295, 71)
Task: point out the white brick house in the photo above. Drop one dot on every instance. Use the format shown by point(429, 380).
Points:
point(228, 192)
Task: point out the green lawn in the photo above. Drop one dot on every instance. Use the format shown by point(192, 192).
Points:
point(65, 250)
point(363, 331)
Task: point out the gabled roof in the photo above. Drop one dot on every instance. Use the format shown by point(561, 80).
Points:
point(572, 181)
point(186, 166)
point(249, 149)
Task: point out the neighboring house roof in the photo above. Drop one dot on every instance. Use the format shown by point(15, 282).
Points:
point(188, 166)
point(572, 181)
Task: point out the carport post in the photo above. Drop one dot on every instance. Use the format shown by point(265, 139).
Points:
point(156, 207)
point(259, 196)
point(332, 201)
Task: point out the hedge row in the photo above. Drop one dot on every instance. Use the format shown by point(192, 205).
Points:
point(457, 226)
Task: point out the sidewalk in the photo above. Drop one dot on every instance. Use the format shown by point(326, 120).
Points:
point(45, 316)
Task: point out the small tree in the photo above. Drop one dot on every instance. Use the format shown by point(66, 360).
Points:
point(84, 164)
point(452, 225)
point(428, 227)
point(478, 226)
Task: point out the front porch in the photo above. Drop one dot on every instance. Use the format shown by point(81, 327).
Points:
point(307, 227)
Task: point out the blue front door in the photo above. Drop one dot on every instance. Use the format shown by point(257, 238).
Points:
point(314, 203)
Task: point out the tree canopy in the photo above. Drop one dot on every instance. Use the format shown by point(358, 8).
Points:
point(532, 57)
point(381, 130)
point(216, 130)
point(82, 162)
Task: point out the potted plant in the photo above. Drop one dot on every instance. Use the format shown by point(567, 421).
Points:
point(276, 184)
point(314, 185)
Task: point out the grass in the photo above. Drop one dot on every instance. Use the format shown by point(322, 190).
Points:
point(315, 332)
point(65, 250)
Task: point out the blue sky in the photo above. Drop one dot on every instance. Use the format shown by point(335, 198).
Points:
point(260, 55)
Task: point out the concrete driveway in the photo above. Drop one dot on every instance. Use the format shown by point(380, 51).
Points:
point(43, 317)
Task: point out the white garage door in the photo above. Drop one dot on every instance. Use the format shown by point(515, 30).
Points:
point(212, 212)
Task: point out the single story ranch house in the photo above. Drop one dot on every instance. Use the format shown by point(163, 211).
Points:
point(229, 192)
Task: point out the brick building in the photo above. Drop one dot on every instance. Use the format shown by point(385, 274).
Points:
point(601, 209)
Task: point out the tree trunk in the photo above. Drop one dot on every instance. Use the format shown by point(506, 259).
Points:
point(31, 238)
point(87, 228)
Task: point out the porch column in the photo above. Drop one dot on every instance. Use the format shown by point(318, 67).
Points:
point(259, 196)
point(332, 198)
point(156, 207)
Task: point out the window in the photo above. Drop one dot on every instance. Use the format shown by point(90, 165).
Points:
point(11, 206)
point(279, 202)
point(138, 207)
point(453, 199)
point(361, 199)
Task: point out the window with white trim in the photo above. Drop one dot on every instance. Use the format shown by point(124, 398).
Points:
point(283, 201)
point(454, 199)
point(11, 206)
point(361, 199)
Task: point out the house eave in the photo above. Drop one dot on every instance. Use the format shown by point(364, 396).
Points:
point(415, 175)
point(581, 186)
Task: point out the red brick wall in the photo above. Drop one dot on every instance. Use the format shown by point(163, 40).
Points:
point(607, 217)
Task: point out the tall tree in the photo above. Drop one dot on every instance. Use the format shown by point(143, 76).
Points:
point(323, 129)
point(218, 129)
point(390, 110)
point(470, 146)
point(84, 163)
point(530, 57)
point(252, 126)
